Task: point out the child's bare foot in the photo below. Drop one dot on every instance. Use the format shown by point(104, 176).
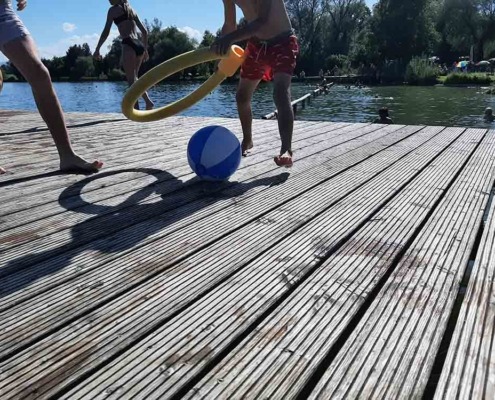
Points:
point(75, 163)
point(150, 105)
point(284, 160)
point(2, 171)
point(246, 146)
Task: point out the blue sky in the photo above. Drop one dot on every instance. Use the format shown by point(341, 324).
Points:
point(57, 24)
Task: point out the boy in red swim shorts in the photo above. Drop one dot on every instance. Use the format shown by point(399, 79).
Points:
point(270, 54)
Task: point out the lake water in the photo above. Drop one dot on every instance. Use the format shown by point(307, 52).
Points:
point(408, 105)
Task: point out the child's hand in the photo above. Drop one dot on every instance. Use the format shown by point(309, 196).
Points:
point(21, 5)
point(222, 45)
point(146, 56)
point(97, 56)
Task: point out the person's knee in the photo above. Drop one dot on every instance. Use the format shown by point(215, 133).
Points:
point(38, 75)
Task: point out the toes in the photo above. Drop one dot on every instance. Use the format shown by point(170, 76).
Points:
point(2, 171)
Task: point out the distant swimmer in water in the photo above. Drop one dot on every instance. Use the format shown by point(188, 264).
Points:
point(383, 117)
point(489, 117)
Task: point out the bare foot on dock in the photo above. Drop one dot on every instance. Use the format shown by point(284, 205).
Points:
point(284, 160)
point(246, 146)
point(75, 163)
point(150, 105)
point(2, 171)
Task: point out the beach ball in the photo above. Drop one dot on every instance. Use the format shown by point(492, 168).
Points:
point(214, 153)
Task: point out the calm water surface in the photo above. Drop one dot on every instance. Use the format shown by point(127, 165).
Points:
point(408, 105)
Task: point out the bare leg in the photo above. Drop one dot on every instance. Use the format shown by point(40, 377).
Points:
point(132, 63)
point(243, 97)
point(22, 53)
point(282, 98)
point(146, 98)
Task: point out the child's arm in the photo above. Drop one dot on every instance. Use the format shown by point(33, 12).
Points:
point(144, 32)
point(230, 23)
point(223, 44)
point(104, 35)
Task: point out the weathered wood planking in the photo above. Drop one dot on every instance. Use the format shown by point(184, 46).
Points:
point(15, 241)
point(116, 146)
point(177, 168)
point(339, 150)
point(188, 239)
point(392, 350)
point(240, 314)
point(238, 302)
point(469, 369)
point(39, 187)
point(265, 234)
point(143, 282)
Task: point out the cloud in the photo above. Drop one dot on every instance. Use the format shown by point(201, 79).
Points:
point(192, 33)
point(68, 27)
point(60, 47)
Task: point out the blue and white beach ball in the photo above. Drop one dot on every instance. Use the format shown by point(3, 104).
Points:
point(214, 153)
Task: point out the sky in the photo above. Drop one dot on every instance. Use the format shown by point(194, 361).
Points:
point(58, 24)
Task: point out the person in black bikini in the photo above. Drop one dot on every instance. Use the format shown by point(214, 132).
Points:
point(134, 51)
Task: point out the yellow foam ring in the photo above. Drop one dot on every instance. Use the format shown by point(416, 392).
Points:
point(228, 66)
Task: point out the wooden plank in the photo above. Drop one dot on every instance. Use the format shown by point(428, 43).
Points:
point(170, 357)
point(57, 231)
point(469, 369)
point(276, 360)
point(22, 285)
point(30, 187)
point(80, 334)
point(128, 142)
point(45, 204)
point(392, 350)
point(15, 122)
point(136, 161)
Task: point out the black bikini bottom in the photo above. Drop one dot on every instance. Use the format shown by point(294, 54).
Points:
point(135, 44)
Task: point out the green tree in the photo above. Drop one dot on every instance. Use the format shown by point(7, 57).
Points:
point(403, 29)
point(345, 19)
point(73, 53)
point(206, 69)
point(84, 67)
point(466, 23)
point(168, 43)
point(308, 17)
point(56, 67)
point(208, 39)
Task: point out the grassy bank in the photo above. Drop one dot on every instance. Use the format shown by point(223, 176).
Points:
point(476, 78)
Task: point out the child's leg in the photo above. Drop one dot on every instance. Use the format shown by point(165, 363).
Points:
point(244, 96)
point(22, 53)
point(129, 59)
point(282, 98)
point(146, 98)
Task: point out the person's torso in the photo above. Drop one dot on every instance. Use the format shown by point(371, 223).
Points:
point(124, 21)
point(278, 20)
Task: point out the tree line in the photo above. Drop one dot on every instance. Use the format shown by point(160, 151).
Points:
point(334, 34)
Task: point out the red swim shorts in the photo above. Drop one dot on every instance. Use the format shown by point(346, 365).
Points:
point(263, 59)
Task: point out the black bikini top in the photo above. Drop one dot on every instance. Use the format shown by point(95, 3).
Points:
point(124, 17)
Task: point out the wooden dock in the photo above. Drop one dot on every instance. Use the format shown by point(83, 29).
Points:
point(365, 271)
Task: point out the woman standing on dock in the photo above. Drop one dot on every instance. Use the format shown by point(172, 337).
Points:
point(134, 50)
point(18, 46)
